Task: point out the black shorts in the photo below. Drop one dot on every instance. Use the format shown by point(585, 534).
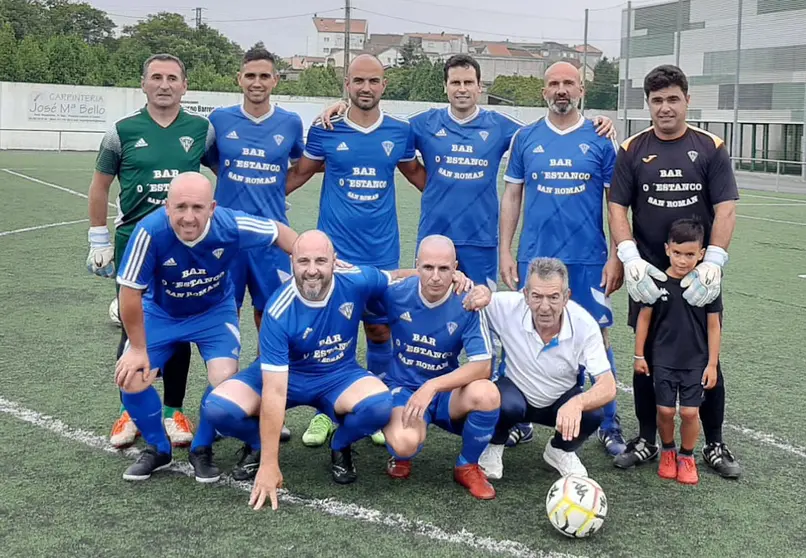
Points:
point(669, 382)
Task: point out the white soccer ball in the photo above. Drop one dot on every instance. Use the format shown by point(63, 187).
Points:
point(114, 313)
point(576, 506)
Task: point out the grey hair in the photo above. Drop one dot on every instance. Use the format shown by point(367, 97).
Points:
point(164, 58)
point(548, 268)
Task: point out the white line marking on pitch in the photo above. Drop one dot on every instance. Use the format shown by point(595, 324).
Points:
point(762, 437)
point(795, 200)
point(772, 220)
point(40, 227)
point(48, 226)
point(328, 506)
point(802, 276)
point(62, 188)
point(740, 204)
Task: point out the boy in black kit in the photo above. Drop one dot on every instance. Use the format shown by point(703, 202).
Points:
point(684, 351)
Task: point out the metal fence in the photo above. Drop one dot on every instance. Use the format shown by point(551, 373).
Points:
point(746, 65)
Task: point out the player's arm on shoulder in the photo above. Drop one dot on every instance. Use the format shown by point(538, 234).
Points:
point(286, 237)
point(604, 126)
point(210, 157)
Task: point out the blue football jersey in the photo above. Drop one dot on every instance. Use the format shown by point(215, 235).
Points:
point(184, 279)
point(253, 156)
point(357, 204)
point(318, 337)
point(565, 173)
point(462, 159)
point(428, 337)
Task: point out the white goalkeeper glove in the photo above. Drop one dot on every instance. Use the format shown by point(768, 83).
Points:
point(638, 274)
point(101, 260)
point(704, 283)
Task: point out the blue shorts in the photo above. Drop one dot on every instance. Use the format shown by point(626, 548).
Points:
point(438, 412)
point(480, 264)
point(320, 391)
point(584, 282)
point(214, 332)
point(262, 270)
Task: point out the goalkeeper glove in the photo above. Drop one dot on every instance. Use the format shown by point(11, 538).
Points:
point(704, 283)
point(638, 274)
point(101, 260)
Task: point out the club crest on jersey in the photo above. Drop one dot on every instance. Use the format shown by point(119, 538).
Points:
point(388, 146)
point(584, 147)
point(484, 134)
point(278, 139)
point(406, 317)
point(441, 134)
point(218, 252)
point(346, 310)
point(538, 149)
point(187, 142)
point(692, 155)
point(452, 327)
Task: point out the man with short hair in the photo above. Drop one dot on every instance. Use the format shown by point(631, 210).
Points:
point(667, 172)
point(430, 328)
point(145, 151)
point(175, 288)
point(547, 337)
point(357, 208)
point(255, 141)
point(561, 169)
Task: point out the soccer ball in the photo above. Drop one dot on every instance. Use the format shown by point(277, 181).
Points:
point(114, 314)
point(576, 506)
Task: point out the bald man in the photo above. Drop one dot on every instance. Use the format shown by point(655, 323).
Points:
point(174, 288)
point(563, 168)
point(430, 328)
point(357, 207)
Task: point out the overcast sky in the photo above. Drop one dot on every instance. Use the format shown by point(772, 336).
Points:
point(518, 20)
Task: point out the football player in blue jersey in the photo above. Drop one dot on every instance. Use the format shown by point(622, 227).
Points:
point(430, 327)
point(560, 170)
point(462, 146)
point(255, 141)
point(357, 205)
point(175, 287)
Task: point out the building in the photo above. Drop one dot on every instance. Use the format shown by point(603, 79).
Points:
point(436, 45)
point(330, 35)
point(772, 70)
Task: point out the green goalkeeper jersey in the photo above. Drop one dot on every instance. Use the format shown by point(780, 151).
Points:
point(146, 157)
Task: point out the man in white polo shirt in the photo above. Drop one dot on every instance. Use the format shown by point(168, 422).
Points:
point(546, 338)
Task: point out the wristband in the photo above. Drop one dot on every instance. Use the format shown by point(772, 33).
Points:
point(627, 251)
point(716, 255)
point(98, 235)
point(636, 357)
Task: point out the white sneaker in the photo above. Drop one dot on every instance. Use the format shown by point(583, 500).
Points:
point(566, 462)
point(492, 461)
point(179, 430)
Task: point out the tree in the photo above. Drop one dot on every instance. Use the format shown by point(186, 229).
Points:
point(90, 24)
point(427, 83)
point(31, 62)
point(318, 81)
point(522, 90)
point(399, 84)
point(8, 46)
point(25, 17)
point(69, 59)
point(602, 92)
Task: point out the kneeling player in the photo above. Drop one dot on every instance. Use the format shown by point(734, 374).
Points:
point(175, 288)
point(430, 327)
point(682, 345)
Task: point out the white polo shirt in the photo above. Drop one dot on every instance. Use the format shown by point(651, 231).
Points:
point(545, 371)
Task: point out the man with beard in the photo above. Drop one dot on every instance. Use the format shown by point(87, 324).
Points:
point(565, 168)
point(357, 207)
point(254, 143)
point(307, 357)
